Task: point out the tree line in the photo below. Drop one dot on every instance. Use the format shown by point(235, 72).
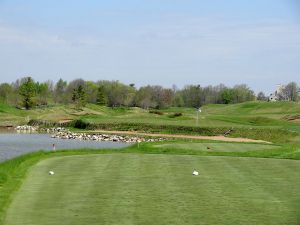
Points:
point(27, 93)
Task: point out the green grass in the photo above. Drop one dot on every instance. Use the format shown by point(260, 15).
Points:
point(216, 147)
point(179, 147)
point(158, 189)
point(249, 114)
point(13, 172)
point(253, 184)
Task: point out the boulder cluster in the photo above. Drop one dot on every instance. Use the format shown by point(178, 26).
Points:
point(102, 137)
point(53, 129)
point(63, 133)
point(26, 128)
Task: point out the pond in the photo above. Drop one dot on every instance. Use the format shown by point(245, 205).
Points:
point(14, 144)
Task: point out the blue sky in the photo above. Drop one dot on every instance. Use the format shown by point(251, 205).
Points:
point(162, 42)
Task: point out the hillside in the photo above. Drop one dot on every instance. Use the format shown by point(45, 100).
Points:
point(249, 114)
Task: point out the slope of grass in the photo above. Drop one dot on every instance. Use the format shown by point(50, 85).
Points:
point(158, 189)
point(261, 114)
point(215, 147)
point(180, 147)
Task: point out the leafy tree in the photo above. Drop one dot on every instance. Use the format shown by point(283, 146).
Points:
point(91, 90)
point(27, 90)
point(74, 84)
point(242, 93)
point(42, 91)
point(192, 96)
point(143, 98)
point(291, 91)
point(227, 95)
point(5, 91)
point(60, 90)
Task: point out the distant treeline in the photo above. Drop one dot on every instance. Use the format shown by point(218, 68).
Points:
point(26, 92)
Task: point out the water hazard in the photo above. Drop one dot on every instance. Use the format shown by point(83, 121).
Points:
point(14, 144)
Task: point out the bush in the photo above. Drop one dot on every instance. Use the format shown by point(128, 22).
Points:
point(156, 112)
point(175, 115)
point(80, 124)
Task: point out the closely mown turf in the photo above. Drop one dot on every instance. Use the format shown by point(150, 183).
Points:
point(158, 189)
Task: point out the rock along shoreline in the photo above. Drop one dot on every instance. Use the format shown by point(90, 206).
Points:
point(62, 133)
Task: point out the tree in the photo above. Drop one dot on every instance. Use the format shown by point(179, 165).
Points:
point(242, 93)
point(91, 90)
point(42, 91)
point(191, 95)
point(143, 98)
point(74, 84)
point(79, 97)
point(101, 99)
point(27, 90)
point(227, 95)
point(59, 91)
point(291, 91)
point(261, 96)
point(5, 91)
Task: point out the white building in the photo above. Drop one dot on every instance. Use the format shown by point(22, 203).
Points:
point(279, 92)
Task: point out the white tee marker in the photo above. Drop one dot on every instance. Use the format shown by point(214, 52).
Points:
point(195, 173)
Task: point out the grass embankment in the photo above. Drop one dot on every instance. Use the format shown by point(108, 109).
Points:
point(158, 189)
point(267, 134)
point(255, 120)
point(249, 114)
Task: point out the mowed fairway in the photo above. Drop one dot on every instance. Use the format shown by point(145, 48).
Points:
point(158, 189)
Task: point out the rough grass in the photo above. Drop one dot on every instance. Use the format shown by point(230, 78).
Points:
point(216, 147)
point(249, 114)
point(158, 189)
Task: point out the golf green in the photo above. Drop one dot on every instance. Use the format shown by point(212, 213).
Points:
point(158, 189)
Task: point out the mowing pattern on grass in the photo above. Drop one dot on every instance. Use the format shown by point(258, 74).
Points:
point(158, 189)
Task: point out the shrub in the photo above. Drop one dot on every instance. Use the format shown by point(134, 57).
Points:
point(156, 112)
point(81, 124)
point(175, 115)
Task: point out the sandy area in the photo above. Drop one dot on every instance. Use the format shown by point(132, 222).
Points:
point(215, 138)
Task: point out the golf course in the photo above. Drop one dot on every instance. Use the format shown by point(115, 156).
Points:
point(239, 182)
point(150, 112)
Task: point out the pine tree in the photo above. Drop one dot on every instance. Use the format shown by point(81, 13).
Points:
point(79, 97)
point(101, 100)
point(28, 90)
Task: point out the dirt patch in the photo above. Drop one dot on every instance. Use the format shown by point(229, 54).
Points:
point(293, 118)
point(215, 138)
point(65, 121)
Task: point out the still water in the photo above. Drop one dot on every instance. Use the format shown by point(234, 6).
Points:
point(14, 144)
